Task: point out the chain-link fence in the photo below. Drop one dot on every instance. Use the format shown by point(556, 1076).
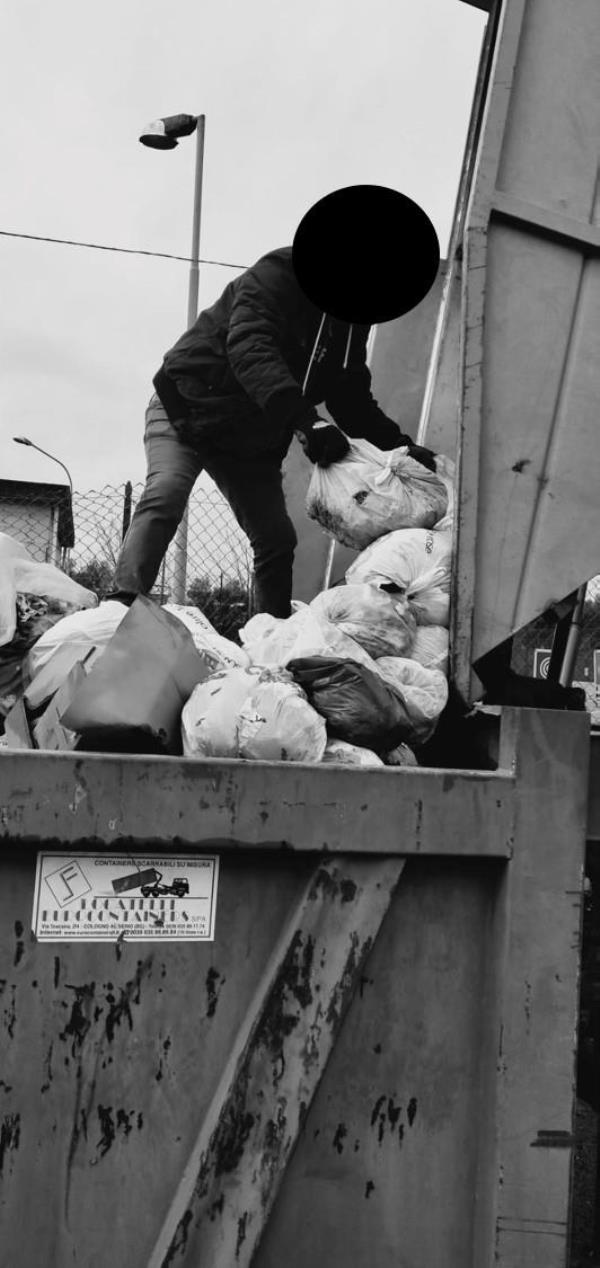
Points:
point(83, 535)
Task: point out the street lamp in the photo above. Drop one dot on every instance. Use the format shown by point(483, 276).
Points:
point(163, 134)
point(23, 440)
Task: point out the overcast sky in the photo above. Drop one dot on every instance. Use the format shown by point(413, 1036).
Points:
point(300, 99)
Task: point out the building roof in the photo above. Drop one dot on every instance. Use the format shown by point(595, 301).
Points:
point(37, 493)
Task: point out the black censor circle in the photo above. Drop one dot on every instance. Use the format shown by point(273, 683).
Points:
point(365, 254)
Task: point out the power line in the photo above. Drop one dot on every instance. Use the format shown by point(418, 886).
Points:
point(98, 246)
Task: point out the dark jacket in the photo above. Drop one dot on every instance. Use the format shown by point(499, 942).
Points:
point(237, 375)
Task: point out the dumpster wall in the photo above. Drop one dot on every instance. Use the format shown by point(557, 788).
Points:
point(373, 1060)
point(525, 255)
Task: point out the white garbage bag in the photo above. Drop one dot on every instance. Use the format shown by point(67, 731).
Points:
point(446, 470)
point(371, 492)
point(20, 573)
point(424, 692)
point(344, 754)
point(275, 641)
point(81, 630)
point(253, 714)
point(382, 623)
point(218, 652)
point(431, 647)
point(210, 718)
point(277, 724)
point(416, 560)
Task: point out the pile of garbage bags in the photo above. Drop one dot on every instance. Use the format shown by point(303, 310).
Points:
point(357, 677)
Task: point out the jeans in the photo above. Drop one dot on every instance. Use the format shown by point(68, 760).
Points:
point(253, 489)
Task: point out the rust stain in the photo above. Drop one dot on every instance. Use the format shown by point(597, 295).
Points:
point(20, 945)
point(341, 994)
point(527, 1005)
point(10, 1012)
point(340, 1135)
point(56, 971)
point(386, 1116)
point(411, 1110)
point(213, 991)
point(10, 1136)
point(179, 1243)
point(293, 983)
point(129, 994)
point(111, 1122)
point(348, 891)
point(241, 1233)
point(79, 1022)
point(369, 1188)
point(48, 1069)
point(216, 1208)
point(418, 823)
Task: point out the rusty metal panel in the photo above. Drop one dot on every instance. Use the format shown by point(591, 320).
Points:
point(524, 252)
point(110, 1056)
point(115, 801)
point(373, 1060)
point(221, 1206)
point(531, 308)
point(393, 1128)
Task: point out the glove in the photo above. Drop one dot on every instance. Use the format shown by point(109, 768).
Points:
point(386, 435)
point(324, 443)
point(425, 456)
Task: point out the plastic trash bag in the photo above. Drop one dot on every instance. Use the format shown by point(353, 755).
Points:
point(371, 492)
point(81, 630)
point(424, 693)
point(431, 647)
point(446, 470)
point(382, 623)
point(132, 699)
point(21, 574)
point(274, 641)
point(344, 754)
point(219, 652)
point(210, 719)
point(253, 714)
point(34, 617)
point(277, 724)
point(357, 704)
point(416, 561)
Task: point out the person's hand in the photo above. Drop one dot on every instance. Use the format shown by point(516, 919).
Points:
point(425, 456)
point(325, 443)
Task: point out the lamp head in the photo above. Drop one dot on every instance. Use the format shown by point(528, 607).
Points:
point(162, 134)
point(22, 440)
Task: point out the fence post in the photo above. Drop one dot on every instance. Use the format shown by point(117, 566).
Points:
point(180, 558)
point(126, 509)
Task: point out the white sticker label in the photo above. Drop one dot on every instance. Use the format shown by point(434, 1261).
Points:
point(101, 898)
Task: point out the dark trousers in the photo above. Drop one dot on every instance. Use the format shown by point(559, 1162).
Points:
point(253, 489)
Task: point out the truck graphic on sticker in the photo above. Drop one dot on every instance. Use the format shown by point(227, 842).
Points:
point(149, 882)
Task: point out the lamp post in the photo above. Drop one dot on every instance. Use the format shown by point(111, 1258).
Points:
point(163, 134)
point(24, 440)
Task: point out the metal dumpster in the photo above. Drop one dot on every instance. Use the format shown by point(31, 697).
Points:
point(515, 367)
point(371, 1063)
